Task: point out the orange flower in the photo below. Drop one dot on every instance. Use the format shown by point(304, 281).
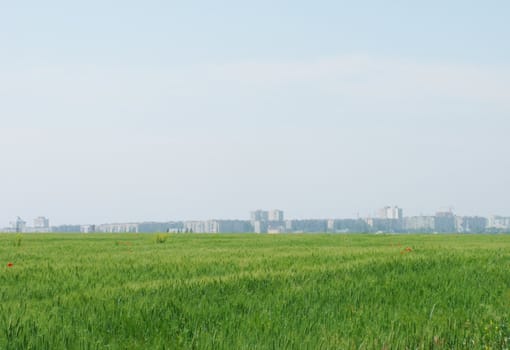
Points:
point(10, 264)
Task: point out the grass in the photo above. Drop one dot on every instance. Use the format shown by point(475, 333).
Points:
point(254, 291)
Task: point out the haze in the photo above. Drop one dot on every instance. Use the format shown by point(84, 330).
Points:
point(126, 111)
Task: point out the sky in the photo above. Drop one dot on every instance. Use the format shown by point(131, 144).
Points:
point(129, 111)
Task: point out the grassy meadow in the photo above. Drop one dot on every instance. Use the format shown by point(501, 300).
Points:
point(132, 291)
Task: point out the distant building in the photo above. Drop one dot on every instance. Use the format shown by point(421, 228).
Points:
point(19, 225)
point(389, 219)
point(306, 226)
point(275, 215)
point(66, 228)
point(41, 222)
point(470, 224)
point(41, 225)
point(117, 228)
point(170, 226)
point(271, 221)
point(88, 228)
point(444, 222)
point(419, 224)
point(347, 225)
point(395, 213)
point(200, 226)
point(498, 223)
point(259, 226)
point(384, 225)
point(259, 215)
point(232, 226)
point(218, 226)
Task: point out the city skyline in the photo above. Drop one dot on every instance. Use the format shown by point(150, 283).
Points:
point(373, 212)
point(389, 219)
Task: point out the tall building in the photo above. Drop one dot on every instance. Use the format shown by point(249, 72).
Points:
point(444, 222)
point(391, 213)
point(41, 222)
point(259, 215)
point(19, 225)
point(263, 221)
point(275, 215)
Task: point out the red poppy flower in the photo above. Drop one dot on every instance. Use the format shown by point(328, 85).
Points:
point(10, 264)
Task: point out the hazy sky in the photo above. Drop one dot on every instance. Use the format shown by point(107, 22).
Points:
point(115, 111)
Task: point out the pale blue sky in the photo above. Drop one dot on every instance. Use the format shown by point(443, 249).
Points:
point(118, 111)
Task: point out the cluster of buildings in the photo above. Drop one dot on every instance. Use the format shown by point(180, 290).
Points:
point(41, 224)
point(388, 220)
point(271, 221)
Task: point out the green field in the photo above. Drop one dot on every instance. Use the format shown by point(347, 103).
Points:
point(74, 291)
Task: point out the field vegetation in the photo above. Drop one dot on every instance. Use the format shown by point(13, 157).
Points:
point(190, 291)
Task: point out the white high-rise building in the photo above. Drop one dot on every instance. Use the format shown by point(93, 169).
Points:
point(391, 213)
point(275, 215)
point(41, 222)
point(259, 215)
